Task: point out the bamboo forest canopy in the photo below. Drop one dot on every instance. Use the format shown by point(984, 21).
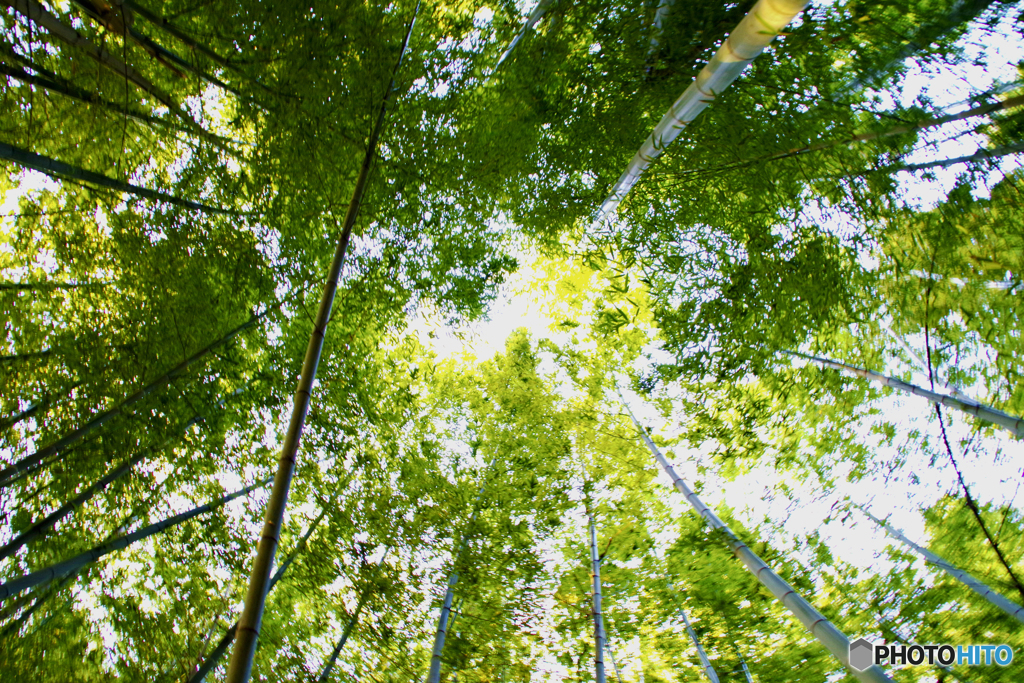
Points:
point(235, 232)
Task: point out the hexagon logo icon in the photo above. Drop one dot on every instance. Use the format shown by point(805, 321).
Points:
point(861, 654)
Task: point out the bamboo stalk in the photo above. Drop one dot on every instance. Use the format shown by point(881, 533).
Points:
point(708, 669)
point(924, 124)
point(981, 155)
point(820, 627)
point(1011, 423)
point(746, 671)
point(240, 668)
point(536, 15)
point(61, 170)
point(76, 435)
point(615, 665)
point(170, 29)
point(62, 569)
point(353, 620)
point(229, 636)
point(750, 37)
point(42, 527)
point(1014, 610)
point(434, 675)
point(599, 637)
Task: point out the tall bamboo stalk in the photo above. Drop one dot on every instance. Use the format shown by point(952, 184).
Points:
point(708, 669)
point(434, 675)
point(750, 37)
point(353, 620)
point(61, 569)
point(76, 435)
point(746, 671)
point(981, 155)
point(1014, 610)
point(1011, 423)
point(615, 665)
point(60, 171)
point(600, 640)
point(536, 15)
point(924, 124)
point(820, 627)
point(229, 636)
point(240, 668)
point(43, 526)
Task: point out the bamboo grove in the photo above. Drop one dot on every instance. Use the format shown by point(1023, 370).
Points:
point(782, 308)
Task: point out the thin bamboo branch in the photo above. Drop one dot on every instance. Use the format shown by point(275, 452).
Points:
point(240, 668)
point(76, 435)
point(1014, 610)
point(1011, 423)
point(62, 569)
point(750, 37)
point(170, 29)
point(981, 155)
point(820, 627)
point(60, 170)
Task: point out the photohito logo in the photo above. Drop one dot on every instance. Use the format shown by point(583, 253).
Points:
point(864, 653)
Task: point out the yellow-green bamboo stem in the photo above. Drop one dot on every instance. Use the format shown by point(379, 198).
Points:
point(240, 668)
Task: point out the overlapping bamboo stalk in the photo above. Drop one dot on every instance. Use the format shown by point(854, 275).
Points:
point(821, 628)
point(240, 668)
point(1014, 610)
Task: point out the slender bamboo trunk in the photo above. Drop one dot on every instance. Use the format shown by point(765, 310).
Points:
point(37, 14)
point(76, 435)
point(1014, 610)
point(434, 676)
point(62, 569)
point(44, 526)
point(743, 665)
point(31, 355)
point(660, 14)
point(171, 30)
point(922, 365)
point(23, 415)
point(820, 627)
point(1011, 423)
point(240, 668)
point(536, 15)
point(600, 640)
point(60, 171)
point(229, 636)
point(155, 50)
point(353, 620)
point(40, 600)
point(750, 37)
point(35, 286)
point(708, 669)
point(980, 155)
point(615, 665)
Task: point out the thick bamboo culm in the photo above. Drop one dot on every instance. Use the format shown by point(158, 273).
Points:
point(821, 628)
point(1011, 423)
point(750, 37)
point(1011, 608)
